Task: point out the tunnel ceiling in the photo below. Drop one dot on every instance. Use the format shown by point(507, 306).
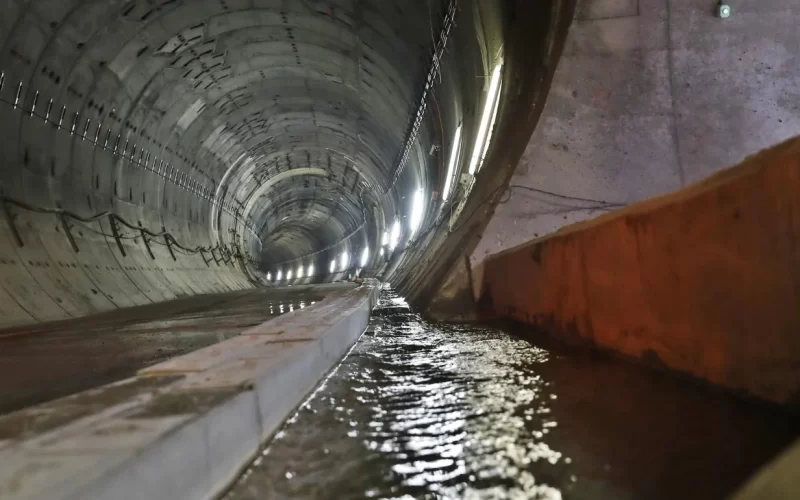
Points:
point(295, 129)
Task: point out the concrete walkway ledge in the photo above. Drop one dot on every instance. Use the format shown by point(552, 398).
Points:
point(185, 428)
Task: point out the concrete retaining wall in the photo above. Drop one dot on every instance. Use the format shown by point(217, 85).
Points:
point(186, 427)
point(705, 281)
point(650, 96)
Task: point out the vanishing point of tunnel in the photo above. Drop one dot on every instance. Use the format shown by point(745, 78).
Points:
point(295, 141)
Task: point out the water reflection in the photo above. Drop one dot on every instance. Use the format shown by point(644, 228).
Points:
point(447, 411)
point(278, 308)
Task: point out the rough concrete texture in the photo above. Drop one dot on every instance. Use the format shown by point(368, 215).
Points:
point(649, 96)
point(46, 280)
point(705, 281)
point(274, 129)
point(49, 360)
point(185, 428)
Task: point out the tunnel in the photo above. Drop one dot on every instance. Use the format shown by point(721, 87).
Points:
point(399, 248)
point(162, 149)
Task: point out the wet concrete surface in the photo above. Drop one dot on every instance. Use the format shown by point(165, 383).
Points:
point(50, 360)
point(421, 410)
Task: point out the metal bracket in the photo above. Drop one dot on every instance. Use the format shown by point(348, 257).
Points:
point(241, 259)
point(224, 253)
point(9, 217)
point(115, 232)
point(166, 240)
point(146, 242)
point(68, 233)
point(203, 255)
point(216, 260)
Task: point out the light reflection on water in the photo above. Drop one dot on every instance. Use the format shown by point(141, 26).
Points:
point(420, 410)
point(416, 409)
point(276, 308)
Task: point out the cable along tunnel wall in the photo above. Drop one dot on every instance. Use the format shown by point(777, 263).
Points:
point(283, 134)
point(55, 265)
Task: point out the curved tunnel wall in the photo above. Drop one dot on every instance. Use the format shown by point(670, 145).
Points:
point(268, 134)
point(648, 97)
point(58, 69)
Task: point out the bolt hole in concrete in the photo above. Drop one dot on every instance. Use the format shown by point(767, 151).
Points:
point(420, 410)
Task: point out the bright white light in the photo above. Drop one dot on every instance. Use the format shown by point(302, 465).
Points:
point(385, 239)
point(345, 260)
point(455, 149)
point(289, 275)
point(311, 270)
point(333, 265)
point(280, 275)
point(382, 252)
point(364, 256)
point(417, 211)
point(300, 272)
point(481, 140)
point(394, 236)
point(269, 276)
point(491, 128)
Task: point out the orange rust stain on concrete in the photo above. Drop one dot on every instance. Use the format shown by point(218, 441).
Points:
point(705, 280)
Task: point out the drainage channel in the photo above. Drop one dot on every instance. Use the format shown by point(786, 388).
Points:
point(421, 410)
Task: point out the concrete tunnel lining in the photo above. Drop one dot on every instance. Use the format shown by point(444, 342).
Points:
point(260, 135)
point(186, 117)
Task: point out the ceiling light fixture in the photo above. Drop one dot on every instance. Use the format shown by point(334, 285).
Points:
point(455, 149)
point(364, 256)
point(488, 117)
point(417, 211)
point(394, 236)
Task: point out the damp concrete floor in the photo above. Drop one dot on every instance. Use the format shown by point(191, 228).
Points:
point(45, 361)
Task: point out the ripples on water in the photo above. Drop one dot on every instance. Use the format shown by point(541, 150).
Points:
point(431, 411)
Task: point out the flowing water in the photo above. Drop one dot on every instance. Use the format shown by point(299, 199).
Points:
point(420, 410)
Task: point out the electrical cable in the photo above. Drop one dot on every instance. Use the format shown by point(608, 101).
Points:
point(84, 220)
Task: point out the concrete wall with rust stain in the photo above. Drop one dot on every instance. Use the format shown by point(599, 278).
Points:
point(705, 281)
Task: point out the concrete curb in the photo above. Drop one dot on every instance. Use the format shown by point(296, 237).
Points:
point(184, 428)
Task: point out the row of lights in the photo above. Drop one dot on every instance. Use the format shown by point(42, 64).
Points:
point(343, 261)
point(479, 150)
point(391, 238)
point(482, 139)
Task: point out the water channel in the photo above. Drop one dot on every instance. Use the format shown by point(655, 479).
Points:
point(420, 410)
